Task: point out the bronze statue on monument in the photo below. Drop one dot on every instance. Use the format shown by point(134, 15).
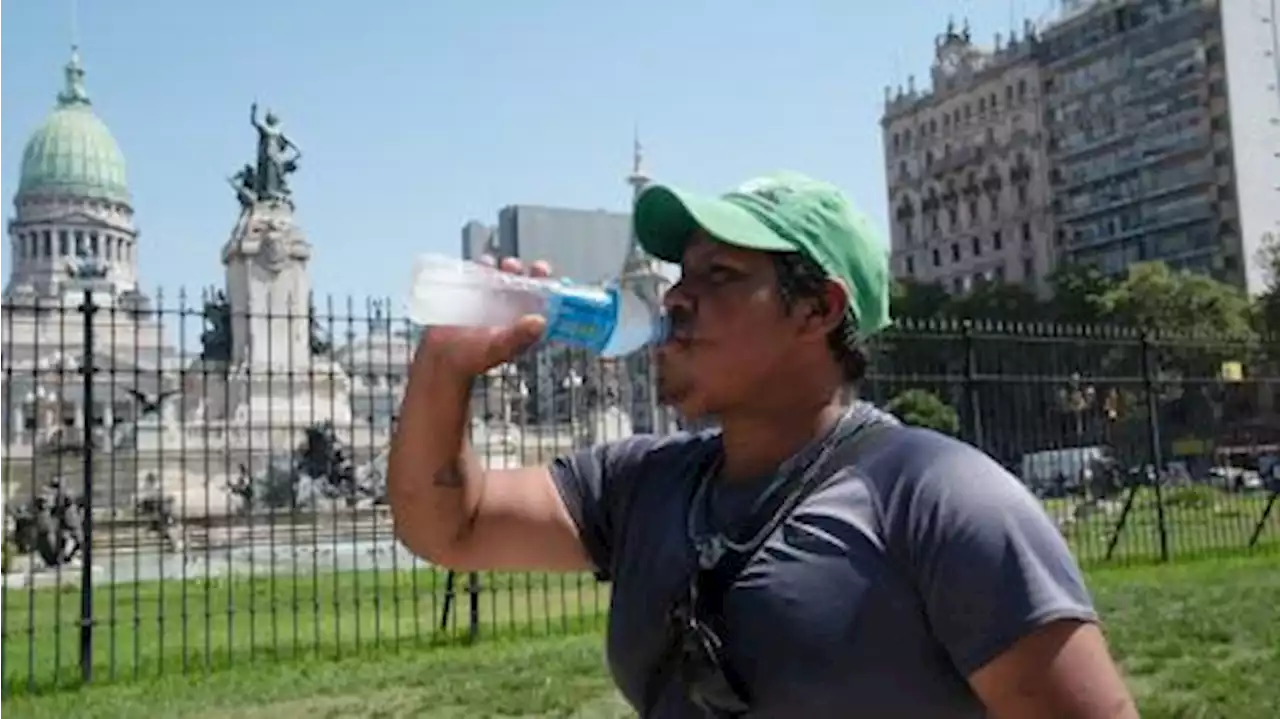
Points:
point(277, 158)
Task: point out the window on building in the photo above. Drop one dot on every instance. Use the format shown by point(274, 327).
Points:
point(977, 246)
point(1026, 232)
point(911, 265)
point(937, 258)
point(997, 241)
point(955, 251)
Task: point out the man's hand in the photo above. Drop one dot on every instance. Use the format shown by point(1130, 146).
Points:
point(443, 504)
point(470, 351)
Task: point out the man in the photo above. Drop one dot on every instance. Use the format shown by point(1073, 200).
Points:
point(919, 580)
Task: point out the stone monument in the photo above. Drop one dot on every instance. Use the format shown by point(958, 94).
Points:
point(276, 380)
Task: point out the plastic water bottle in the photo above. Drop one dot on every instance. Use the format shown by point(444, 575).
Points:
point(608, 321)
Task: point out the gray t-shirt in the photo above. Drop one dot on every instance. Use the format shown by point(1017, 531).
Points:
point(905, 572)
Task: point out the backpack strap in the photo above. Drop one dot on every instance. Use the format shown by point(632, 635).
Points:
point(713, 584)
point(778, 508)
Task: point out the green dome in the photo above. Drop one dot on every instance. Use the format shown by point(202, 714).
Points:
point(73, 152)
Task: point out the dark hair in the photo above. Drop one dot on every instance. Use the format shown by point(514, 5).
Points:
point(801, 278)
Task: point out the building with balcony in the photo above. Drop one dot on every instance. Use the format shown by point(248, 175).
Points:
point(1163, 124)
point(964, 159)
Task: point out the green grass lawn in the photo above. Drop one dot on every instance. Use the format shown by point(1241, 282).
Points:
point(1198, 522)
point(151, 628)
point(1196, 639)
point(1199, 639)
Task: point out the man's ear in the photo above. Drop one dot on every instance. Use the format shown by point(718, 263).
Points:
point(824, 315)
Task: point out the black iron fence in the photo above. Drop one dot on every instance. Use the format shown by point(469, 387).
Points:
point(187, 488)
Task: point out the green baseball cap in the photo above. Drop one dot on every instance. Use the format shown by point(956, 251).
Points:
point(781, 212)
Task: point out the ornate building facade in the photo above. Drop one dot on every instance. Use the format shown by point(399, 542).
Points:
point(966, 169)
point(73, 200)
point(73, 233)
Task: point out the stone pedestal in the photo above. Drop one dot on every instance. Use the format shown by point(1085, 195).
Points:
point(276, 387)
point(268, 288)
point(290, 400)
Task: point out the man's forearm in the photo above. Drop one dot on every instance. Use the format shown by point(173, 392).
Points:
point(434, 481)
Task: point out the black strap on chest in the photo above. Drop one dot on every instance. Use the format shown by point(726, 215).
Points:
point(711, 586)
point(804, 481)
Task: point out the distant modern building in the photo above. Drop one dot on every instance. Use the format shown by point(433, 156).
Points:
point(1164, 134)
point(477, 240)
point(591, 247)
point(964, 160)
point(585, 245)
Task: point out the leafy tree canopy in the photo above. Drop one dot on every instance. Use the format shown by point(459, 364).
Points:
point(922, 408)
point(1150, 296)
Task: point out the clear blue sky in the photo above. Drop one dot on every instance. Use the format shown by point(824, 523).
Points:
point(417, 115)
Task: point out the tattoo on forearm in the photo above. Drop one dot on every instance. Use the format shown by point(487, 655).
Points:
point(450, 475)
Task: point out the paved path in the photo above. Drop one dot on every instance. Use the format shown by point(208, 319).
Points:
point(284, 559)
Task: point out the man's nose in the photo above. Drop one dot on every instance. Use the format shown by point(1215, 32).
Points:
point(677, 297)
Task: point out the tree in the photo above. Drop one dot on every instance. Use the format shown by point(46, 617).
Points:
point(1197, 325)
point(1178, 302)
point(1269, 302)
point(918, 300)
point(1077, 292)
point(922, 408)
point(997, 301)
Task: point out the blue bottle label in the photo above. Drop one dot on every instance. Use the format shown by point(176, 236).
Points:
point(581, 317)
